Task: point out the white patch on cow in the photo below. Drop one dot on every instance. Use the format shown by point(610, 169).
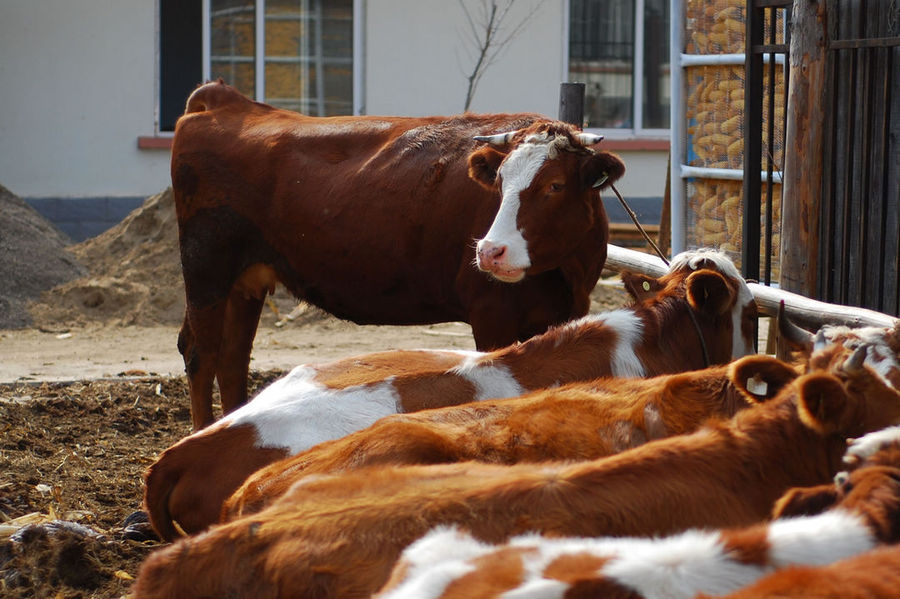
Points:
point(629, 330)
point(818, 540)
point(675, 567)
point(296, 413)
point(679, 567)
point(538, 589)
point(693, 259)
point(880, 357)
point(865, 447)
point(434, 561)
point(516, 173)
point(491, 382)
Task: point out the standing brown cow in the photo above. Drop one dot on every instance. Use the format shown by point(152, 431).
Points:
point(375, 220)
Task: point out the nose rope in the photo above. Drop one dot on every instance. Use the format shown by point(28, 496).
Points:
point(662, 256)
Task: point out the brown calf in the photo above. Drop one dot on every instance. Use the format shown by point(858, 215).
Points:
point(339, 535)
point(316, 403)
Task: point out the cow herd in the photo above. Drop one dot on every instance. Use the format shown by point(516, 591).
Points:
point(648, 451)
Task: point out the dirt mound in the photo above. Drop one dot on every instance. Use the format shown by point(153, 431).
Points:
point(33, 258)
point(134, 274)
point(134, 277)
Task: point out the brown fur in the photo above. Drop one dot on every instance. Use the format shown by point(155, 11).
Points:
point(175, 490)
point(426, 380)
point(339, 535)
point(872, 575)
point(574, 422)
point(308, 200)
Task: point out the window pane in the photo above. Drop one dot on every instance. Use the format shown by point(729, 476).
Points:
point(232, 40)
point(656, 64)
point(180, 57)
point(601, 54)
point(309, 55)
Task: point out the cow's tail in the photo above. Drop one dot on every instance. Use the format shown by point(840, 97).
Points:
point(159, 481)
point(212, 95)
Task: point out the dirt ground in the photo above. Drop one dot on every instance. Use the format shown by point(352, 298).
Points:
point(84, 409)
point(92, 388)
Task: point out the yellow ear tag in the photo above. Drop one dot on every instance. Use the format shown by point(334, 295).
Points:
point(646, 286)
point(757, 386)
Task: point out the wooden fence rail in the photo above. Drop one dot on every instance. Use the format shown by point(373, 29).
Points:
point(808, 313)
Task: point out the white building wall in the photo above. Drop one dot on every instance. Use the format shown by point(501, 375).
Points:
point(77, 88)
point(418, 65)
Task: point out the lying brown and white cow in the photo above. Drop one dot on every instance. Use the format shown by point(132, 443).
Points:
point(863, 511)
point(339, 535)
point(700, 313)
point(579, 421)
point(374, 219)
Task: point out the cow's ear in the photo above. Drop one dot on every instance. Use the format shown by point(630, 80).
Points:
point(760, 378)
point(822, 402)
point(483, 165)
point(640, 286)
point(707, 291)
point(602, 169)
point(805, 501)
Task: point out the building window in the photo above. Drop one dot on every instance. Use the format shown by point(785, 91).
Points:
point(180, 57)
point(294, 54)
point(620, 50)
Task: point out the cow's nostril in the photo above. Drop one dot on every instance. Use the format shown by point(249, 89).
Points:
point(498, 252)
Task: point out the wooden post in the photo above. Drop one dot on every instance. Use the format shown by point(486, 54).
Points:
point(571, 103)
point(804, 140)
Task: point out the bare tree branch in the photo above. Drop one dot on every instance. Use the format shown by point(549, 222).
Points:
point(488, 37)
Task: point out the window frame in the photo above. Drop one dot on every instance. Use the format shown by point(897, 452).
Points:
point(357, 104)
point(637, 92)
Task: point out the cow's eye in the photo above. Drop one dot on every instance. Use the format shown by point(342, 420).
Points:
point(556, 187)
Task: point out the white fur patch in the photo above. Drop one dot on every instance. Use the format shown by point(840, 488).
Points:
point(516, 173)
point(434, 561)
point(628, 329)
point(818, 540)
point(674, 567)
point(880, 357)
point(865, 447)
point(296, 413)
point(491, 382)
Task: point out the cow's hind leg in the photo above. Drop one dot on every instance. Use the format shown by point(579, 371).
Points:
point(241, 322)
point(198, 343)
point(242, 312)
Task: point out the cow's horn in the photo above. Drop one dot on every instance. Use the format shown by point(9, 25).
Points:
point(855, 361)
point(819, 341)
point(589, 139)
point(790, 332)
point(499, 139)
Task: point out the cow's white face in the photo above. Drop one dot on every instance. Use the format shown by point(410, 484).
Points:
point(503, 252)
